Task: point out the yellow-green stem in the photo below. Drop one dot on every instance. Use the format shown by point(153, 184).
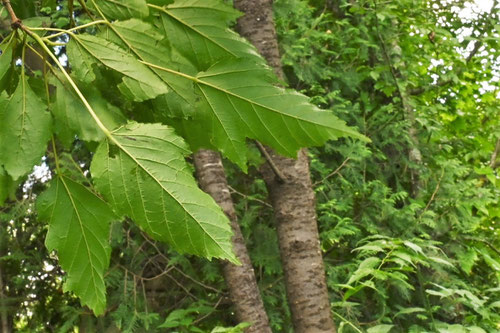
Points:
point(103, 128)
point(68, 31)
point(56, 158)
point(22, 61)
point(347, 321)
point(189, 77)
point(99, 10)
point(82, 98)
point(46, 63)
point(8, 40)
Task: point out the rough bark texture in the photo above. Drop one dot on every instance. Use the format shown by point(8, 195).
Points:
point(293, 200)
point(241, 280)
point(414, 153)
point(5, 317)
point(4, 320)
point(295, 213)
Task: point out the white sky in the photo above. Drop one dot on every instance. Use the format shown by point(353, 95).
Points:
point(480, 5)
point(470, 12)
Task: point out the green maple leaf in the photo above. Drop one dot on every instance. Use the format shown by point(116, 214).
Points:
point(123, 9)
point(240, 101)
point(138, 36)
point(82, 63)
point(199, 30)
point(237, 99)
point(142, 173)
point(25, 128)
point(139, 82)
point(72, 118)
point(79, 224)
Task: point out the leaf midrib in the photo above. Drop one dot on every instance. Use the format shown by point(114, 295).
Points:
point(99, 59)
point(199, 81)
point(80, 223)
point(138, 54)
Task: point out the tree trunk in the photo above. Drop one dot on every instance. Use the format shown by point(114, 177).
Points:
point(293, 200)
point(241, 280)
point(86, 324)
point(5, 317)
point(414, 154)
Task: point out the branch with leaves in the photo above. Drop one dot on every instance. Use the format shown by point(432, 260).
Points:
point(147, 108)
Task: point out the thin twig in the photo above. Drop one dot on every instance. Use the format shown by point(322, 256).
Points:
point(332, 173)
point(493, 160)
point(197, 282)
point(347, 322)
point(420, 90)
point(441, 83)
point(144, 295)
point(85, 9)
point(72, 22)
point(147, 278)
point(277, 172)
point(270, 285)
point(485, 242)
point(153, 244)
point(433, 194)
point(135, 292)
point(125, 283)
point(208, 314)
point(16, 22)
point(180, 285)
point(479, 42)
point(475, 49)
point(175, 268)
point(233, 190)
point(388, 60)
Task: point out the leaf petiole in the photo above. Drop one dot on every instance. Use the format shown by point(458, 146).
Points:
point(60, 32)
point(7, 40)
point(56, 157)
point(89, 108)
point(51, 43)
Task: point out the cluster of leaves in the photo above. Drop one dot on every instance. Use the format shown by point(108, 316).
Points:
point(150, 287)
point(141, 84)
point(33, 279)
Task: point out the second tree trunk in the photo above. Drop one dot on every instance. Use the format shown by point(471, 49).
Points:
point(241, 281)
point(293, 200)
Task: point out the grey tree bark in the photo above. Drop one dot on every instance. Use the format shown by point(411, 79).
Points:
point(241, 281)
point(293, 199)
point(5, 316)
point(4, 319)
